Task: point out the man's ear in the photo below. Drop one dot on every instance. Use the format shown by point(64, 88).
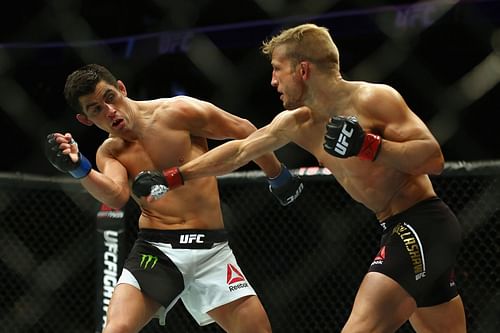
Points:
point(83, 119)
point(305, 69)
point(121, 87)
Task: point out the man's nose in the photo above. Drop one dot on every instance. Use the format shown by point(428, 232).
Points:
point(110, 110)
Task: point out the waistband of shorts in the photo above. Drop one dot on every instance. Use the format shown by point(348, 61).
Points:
point(185, 238)
point(391, 222)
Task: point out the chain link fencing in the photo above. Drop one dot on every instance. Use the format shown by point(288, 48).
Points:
point(305, 261)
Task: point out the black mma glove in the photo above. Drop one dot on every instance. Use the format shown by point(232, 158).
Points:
point(63, 162)
point(156, 183)
point(285, 187)
point(345, 138)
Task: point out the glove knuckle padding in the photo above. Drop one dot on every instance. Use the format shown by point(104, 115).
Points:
point(156, 183)
point(344, 136)
point(145, 180)
point(60, 161)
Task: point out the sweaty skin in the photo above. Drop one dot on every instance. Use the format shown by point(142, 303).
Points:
point(306, 74)
point(394, 182)
point(154, 135)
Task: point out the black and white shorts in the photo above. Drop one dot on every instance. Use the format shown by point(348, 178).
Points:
point(418, 250)
point(197, 266)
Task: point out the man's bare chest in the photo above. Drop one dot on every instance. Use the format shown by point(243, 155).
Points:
point(155, 154)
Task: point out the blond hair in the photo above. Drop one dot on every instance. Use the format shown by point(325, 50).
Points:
point(306, 42)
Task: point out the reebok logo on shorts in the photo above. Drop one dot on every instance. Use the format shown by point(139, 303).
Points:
point(452, 279)
point(380, 257)
point(235, 276)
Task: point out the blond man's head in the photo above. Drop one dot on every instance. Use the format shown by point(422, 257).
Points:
point(306, 42)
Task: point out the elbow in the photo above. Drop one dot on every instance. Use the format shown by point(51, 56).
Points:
point(245, 129)
point(119, 201)
point(436, 165)
point(116, 204)
point(439, 166)
point(432, 165)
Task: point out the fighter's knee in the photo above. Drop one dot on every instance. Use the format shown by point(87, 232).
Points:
point(246, 315)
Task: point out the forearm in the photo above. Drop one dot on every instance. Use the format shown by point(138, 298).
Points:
point(105, 190)
point(412, 157)
point(218, 161)
point(269, 164)
point(236, 153)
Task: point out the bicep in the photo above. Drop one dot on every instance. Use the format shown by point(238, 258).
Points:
point(397, 122)
point(408, 144)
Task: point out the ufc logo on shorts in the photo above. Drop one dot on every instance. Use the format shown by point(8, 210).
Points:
point(191, 238)
point(342, 144)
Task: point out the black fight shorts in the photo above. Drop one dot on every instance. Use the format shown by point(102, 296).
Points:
point(418, 250)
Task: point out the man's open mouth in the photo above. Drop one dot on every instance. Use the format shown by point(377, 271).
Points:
point(116, 122)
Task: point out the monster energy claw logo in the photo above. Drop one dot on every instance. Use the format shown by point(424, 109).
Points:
point(148, 261)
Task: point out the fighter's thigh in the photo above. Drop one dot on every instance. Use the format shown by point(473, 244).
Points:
point(381, 305)
point(246, 314)
point(129, 310)
point(445, 317)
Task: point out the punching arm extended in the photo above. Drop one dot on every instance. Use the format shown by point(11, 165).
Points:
point(232, 155)
point(154, 184)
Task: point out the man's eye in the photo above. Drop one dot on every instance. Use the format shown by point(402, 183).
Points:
point(110, 98)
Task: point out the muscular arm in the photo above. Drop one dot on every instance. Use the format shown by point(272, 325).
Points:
point(236, 153)
point(408, 145)
point(214, 123)
point(110, 186)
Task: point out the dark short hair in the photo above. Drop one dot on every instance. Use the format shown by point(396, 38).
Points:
point(83, 82)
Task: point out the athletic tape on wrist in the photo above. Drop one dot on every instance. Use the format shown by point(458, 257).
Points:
point(281, 179)
point(173, 177)
point(371, 147)
point(83, 168)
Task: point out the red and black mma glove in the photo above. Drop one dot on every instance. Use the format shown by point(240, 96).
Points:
point(156, 183)
point(345, 138)
point(285, 187)
point(63, 162)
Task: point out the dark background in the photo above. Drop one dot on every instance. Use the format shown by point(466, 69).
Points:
point(443, 56)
